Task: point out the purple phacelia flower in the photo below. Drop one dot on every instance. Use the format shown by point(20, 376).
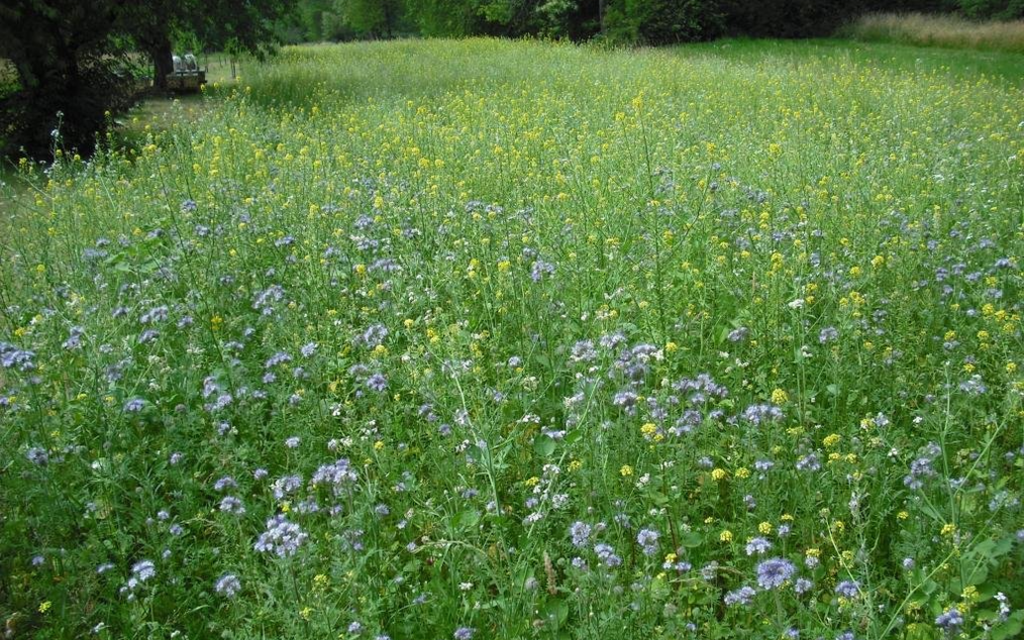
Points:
point(742, 596)
point(282, 537)
point(228, 585)
point(772, 573)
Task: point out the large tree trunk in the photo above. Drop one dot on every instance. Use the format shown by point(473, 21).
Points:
point(388, 19)
point(163, 63)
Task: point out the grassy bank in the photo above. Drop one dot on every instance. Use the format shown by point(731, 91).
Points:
point(948, 31)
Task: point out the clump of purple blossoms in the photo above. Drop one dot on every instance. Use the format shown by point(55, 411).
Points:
point(742, 596)
point(648, 539)
point(38, 455)
point(757, 546)
point(739, 335)
point(921, 467)
point(285, 485)
point(755, 414)
point(377, 382)
point(225, 482)
point(809, 462)
point(74, 340)
point(373, 336)
point(583, 351)
point(464, 633)
point(606, 554)
point(774, 572)
point(950, 619)
point(282, 537)
point(580, 533)
point(701, 388)
point(232, 504)
point(142, 571)
point(539, 269)
point(228, 585)
point(265, 300)
point(336, 475)
point(848, 589)
point(153, 316)
point(973, 386)
point(281, 357)
point(627, 400)
point(11, 357)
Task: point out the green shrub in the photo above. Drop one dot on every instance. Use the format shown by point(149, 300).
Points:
point(787, 18)
point(995, 9)
point(67, 110)
point(655, 22)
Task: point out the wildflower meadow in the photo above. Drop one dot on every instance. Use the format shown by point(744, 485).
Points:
point(490, 339)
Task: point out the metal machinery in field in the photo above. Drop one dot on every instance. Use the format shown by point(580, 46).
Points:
point(187, 76)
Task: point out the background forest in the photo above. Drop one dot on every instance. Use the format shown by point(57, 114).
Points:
point(649, 22)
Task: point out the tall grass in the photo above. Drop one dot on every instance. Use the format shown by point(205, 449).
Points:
point(939, 31)
point(481, 339)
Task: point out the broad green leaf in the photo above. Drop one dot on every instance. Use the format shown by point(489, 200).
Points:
point(544, 446)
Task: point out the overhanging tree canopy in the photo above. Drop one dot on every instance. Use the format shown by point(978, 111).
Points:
point(70, 57)
point(68, 63)
point(220, 24)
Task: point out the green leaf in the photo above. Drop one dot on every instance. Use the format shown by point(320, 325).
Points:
point(556, 611)
point(466, 519)
point(1003, 547)
point(984, 548)
point(658, 498)
point(985, 615)
point(929, 587)
point(544, 446)
point(986, 592)
point(978, 576)
point(690, 539)
point(1008, 629)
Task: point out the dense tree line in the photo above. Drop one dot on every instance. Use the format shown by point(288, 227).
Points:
point(623, 21)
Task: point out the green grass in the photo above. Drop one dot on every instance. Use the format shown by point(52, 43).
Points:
point(961, 64)
point(948, 31)
point(527, 341)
